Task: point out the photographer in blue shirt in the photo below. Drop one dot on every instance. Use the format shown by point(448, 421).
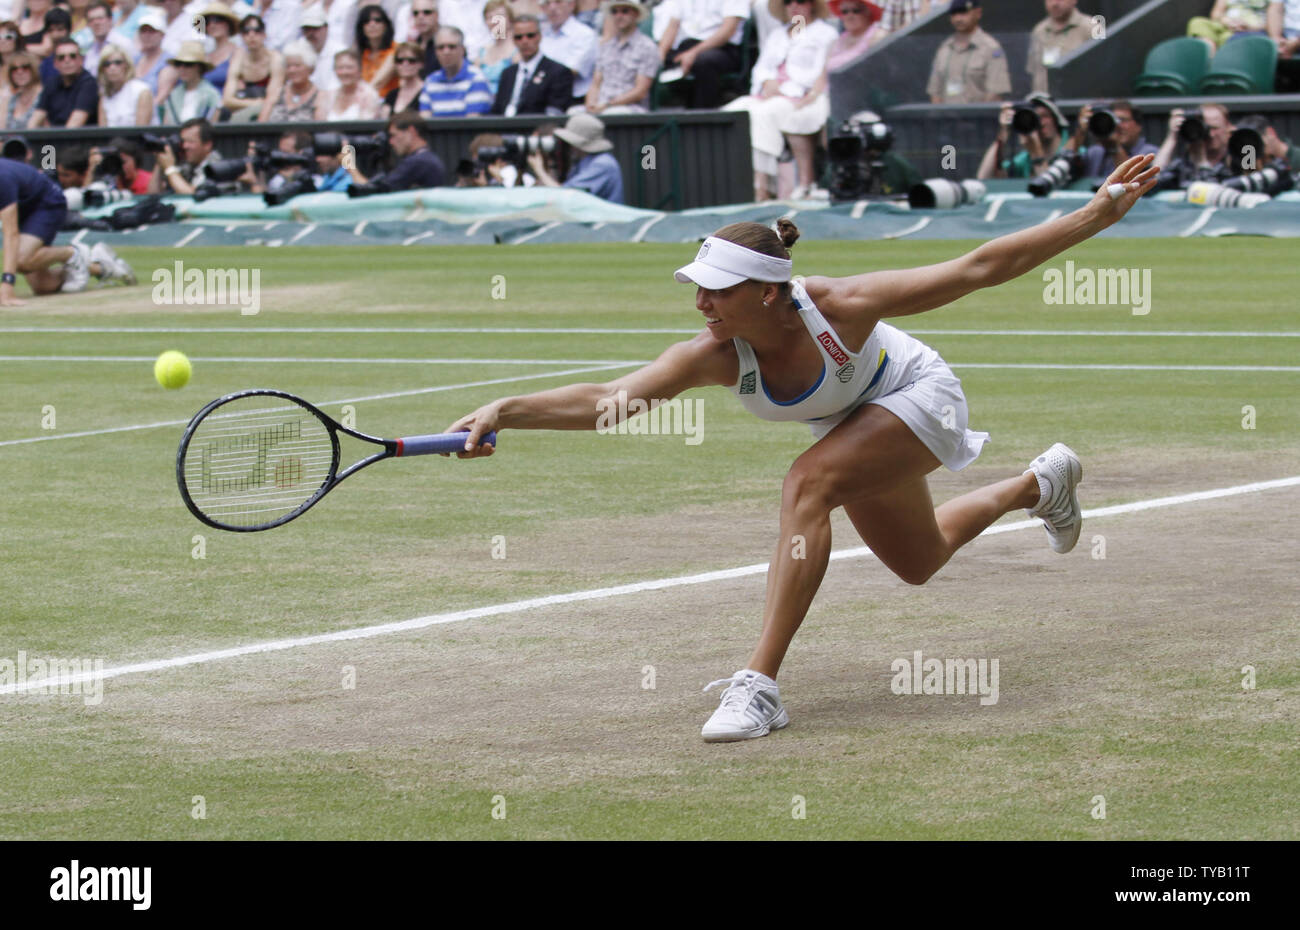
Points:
point(595, 170)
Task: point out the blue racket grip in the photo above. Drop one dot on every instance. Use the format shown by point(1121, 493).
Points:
point(439, 442)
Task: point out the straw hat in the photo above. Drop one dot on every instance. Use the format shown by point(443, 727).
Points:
point(585, 133)
point(221, 11)
point(192, 53)
point(641, 11)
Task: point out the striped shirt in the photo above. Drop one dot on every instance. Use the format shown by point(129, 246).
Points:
point(466, 94)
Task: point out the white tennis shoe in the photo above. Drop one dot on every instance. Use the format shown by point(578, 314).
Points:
point(76, 270)
point(1059, 472)
point(750, 708)
point(111, 266)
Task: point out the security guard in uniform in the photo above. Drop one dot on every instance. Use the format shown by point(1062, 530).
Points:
point(970, 66)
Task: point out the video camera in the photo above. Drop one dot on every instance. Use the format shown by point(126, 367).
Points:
point(856, 149)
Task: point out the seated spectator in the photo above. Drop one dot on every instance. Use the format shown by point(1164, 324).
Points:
point(374, 38)
point(99, 23)
point(535, 84)
point(281, 19)
point(417, 166)
point(151, 61)
point(593, 169)
point(11, 43)
point(197, 152)
point(1283, 25)
point(316, 30)
point(124, 100)
point(1037, 148)
point(58, 26)
point(498, 54)
point(1203, 160)
point(192, 98)
point(423, 29)
point(72, 98)
point(1101, 158)
point(256, 74)
point(897, 15)
point(787, 100)
point(467, 16)
point(1229, 19)
point(861, 22)
point(457, 88)
point(297, 101)
point(703, 39)
point(409, 60)
point(331, 174)
point(1062, 31)
point(32, 27)
point(626, 63)
point(220, 24)
point(969, 66)
point(354, 99)
point(1277, 150)
point(18, 103)
point(569, 42)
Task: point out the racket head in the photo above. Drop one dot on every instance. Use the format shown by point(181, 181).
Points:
point(253, 460)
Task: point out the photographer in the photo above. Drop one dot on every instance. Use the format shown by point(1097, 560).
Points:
point(196, 143)
point(1041, 128)
point(1118, 133)
point(1205, 140)
point(860, 163)
point(490, 164)
point(293, 142)
point(332, 174)
point(416, 168)
point(1276, 149)
point(594, 171)
point(121, 159)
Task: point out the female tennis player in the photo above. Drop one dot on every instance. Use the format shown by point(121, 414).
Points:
point(885, 410)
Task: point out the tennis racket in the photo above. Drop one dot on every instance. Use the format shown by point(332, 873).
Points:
point(256, 459)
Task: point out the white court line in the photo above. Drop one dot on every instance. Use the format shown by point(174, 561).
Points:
point(343, 400)
point(592, 330)
point(541, 230)
point(572, 597)
point(1200, 222)
point(198, 231)
point(995, 204)
point(137, 359)
point(627, 362)
point(915, 227)
point(305, 231)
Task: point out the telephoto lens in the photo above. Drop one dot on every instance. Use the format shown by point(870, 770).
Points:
point(944, 194)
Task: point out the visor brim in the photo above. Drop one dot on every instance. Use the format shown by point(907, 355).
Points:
point(706, 276)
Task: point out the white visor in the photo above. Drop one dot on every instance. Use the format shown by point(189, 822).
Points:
point(720, 264)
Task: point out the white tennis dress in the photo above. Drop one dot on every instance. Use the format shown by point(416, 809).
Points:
point(894, 370)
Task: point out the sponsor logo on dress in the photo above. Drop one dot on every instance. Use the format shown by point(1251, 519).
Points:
point(832, 347)
point(747, 383)
point(845, 374)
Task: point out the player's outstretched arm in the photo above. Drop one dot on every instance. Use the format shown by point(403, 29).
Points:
point(695, 363)
point(914, 290)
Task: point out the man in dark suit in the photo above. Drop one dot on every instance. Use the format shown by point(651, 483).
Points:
point(537, 84)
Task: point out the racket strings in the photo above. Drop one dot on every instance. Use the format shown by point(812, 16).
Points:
point(248, 467)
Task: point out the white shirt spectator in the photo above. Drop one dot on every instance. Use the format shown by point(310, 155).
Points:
point(467, 16)
point(575, 46)
point(700, 19)
point(1290, 17)
point(804, 56)
point(323, 76)
point(179, 30)
point(92, 50)
point(281, 19)
point(119, 109)
point(341, 17)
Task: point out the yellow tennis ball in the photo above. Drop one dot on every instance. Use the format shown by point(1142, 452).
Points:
point(172, 370)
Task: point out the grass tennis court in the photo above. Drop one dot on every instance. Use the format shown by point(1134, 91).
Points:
point(1121, 676)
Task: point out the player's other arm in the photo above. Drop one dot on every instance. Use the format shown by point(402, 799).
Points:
point(695, 363)
point(884, 294)
point(9, 226)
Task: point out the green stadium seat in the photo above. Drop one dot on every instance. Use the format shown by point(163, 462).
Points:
point(1243, 66)
point(1173, 68)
